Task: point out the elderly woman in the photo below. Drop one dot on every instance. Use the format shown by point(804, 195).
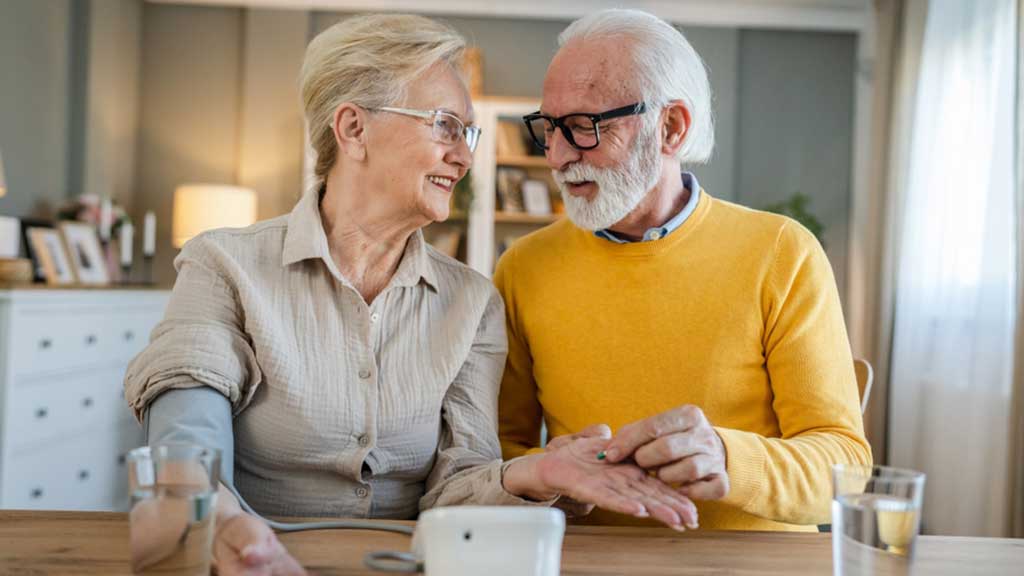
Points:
point(343, 366)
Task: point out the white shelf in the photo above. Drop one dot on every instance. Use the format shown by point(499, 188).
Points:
point(523, 161)
point(524, 218)
point(483, 216)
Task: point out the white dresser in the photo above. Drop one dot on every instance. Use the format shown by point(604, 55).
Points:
point(64, 424)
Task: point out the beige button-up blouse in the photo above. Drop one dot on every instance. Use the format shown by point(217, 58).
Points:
point(341, 409)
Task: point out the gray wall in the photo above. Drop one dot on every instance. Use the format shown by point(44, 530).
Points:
point(783, 106)
point(68, 118)
point(111, 99)
point(719, 47)
point(270, 143)
point(35, 119)
point(515, 52)
point(210, 94)
point(796, 127)
point(190, 98)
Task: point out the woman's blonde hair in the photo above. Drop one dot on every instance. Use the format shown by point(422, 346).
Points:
point(369, 61)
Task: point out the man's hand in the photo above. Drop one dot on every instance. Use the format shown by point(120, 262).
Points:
point(575, 471)
point(681, 446)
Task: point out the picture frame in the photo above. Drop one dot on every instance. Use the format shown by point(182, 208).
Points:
point(10, 237)
point(509, 183)
point(48, 251)
point(87, 257)
point(536, 197)
point(28, 224)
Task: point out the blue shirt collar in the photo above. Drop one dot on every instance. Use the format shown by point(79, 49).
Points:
point(659, 232)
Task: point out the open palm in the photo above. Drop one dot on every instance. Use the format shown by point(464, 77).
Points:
point(574, 471)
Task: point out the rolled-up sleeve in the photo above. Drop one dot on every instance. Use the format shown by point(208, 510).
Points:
point(468, 468)
point(200, 341)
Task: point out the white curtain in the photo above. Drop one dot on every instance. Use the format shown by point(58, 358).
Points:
point(952, 355)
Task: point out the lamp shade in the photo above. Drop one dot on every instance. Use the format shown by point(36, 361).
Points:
point(202, 207)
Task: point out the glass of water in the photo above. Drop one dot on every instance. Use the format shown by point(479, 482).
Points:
point(173, 504)
point(876, 516)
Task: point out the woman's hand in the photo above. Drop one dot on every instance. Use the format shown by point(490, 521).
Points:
point(245, 546)
point(572, 508)
point(572, 469)
point(593, 431)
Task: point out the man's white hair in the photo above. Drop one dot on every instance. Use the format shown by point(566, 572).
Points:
point(665, 66)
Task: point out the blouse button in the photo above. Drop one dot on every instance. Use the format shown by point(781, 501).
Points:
point(364, 373)
point(362, 492)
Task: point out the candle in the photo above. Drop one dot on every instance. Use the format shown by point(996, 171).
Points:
point(106, 219)
point(149, 235)
point(127, 237)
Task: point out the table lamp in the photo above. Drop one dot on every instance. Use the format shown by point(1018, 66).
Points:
point(202, 207)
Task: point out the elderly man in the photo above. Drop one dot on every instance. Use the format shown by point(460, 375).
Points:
point(708, 336)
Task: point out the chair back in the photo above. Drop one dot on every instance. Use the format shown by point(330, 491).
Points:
point(865, 375)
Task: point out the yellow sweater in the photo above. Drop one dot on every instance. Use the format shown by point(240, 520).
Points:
point(735, 312)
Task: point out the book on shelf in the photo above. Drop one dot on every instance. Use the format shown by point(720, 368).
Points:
point(536, 197)
point(447, 241)
point(509, 183)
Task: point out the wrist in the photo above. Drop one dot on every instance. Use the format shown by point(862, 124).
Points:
point(721, 447)
point(227, 507)
point(522, 477)
point(224, 517)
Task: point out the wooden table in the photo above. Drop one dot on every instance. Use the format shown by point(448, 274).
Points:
point(45, 543)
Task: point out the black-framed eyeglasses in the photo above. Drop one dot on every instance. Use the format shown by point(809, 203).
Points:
point(580, 129)
point(446, 127)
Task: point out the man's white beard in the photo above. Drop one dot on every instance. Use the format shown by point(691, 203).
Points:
point(619, 190)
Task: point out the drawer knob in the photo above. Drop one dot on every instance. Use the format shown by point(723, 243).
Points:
point(45, 344)
point(37, 493)
point(129, 335)
point(87, 401)
point(90, 339)
point(83, 475)
point(41, 413)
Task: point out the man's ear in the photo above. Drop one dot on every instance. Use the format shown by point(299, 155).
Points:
point(350, 130)
point(675, 126)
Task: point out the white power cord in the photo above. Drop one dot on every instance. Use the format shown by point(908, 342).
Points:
point(385, 561)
